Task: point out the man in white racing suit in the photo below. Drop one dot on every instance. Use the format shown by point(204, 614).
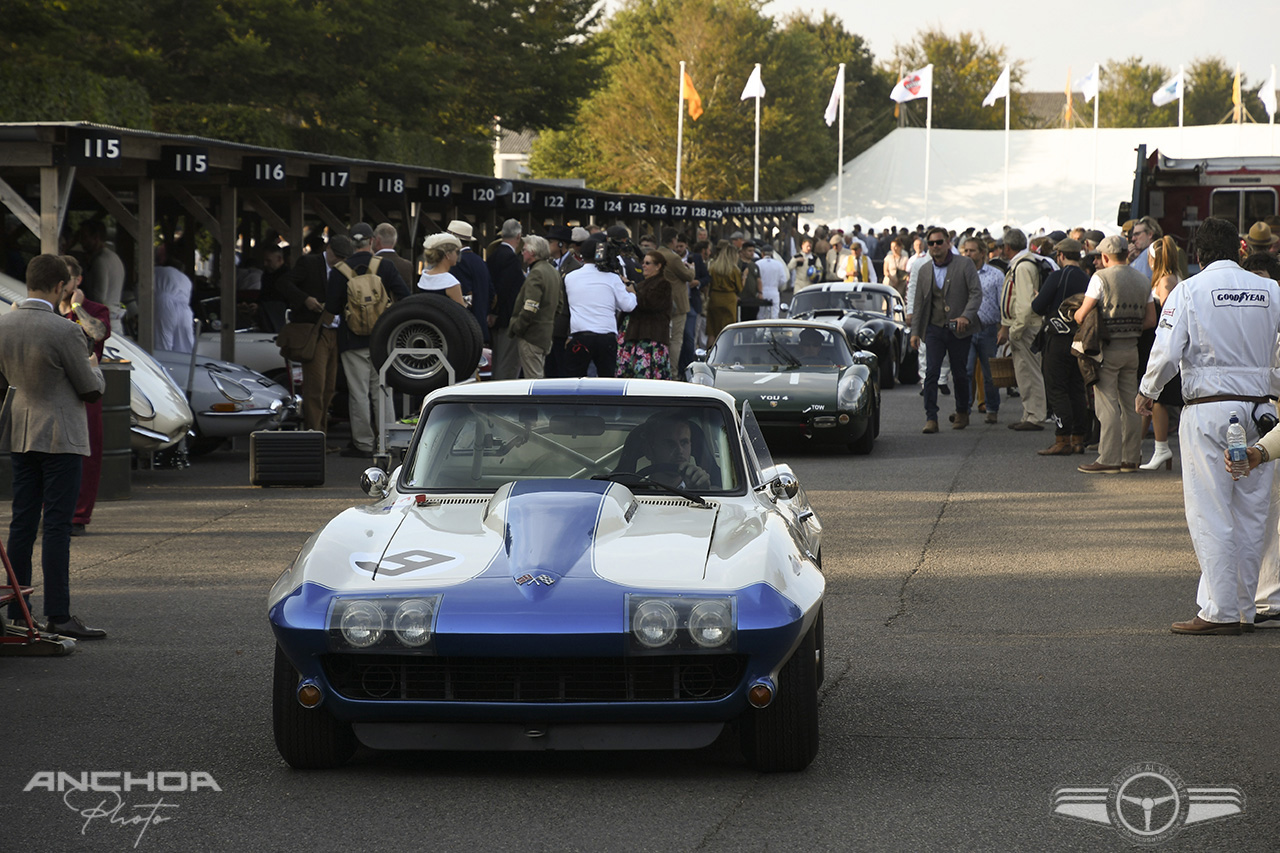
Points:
point(1219, 327)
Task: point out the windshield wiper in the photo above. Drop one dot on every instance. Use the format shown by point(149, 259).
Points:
point(628, 478)
point(782, 353)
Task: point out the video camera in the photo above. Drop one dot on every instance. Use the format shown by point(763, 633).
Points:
point(617, 254)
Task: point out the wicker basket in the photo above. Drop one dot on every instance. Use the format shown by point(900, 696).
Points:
point(1002, 372)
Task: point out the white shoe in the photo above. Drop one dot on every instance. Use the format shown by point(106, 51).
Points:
point(1162, 456)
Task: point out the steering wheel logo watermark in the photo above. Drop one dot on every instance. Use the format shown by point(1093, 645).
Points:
point(1148, 803)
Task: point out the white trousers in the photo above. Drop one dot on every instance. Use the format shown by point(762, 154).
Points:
point(1227, 518)
point(362, 382)
point(1268, 597)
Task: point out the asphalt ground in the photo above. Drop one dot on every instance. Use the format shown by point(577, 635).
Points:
point(997, 627)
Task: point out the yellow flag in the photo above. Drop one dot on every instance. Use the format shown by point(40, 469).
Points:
point(690, 94)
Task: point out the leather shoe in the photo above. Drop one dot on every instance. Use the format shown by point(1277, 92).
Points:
point(77, 530)
point(1267, 620)
point(944, 390)
point(993, 417)
point(75, 629)
point(1128, 467)
point(959, 420)
point(1200, 626)
point(930, 427)
point(1026, 426)
point(1098, 468)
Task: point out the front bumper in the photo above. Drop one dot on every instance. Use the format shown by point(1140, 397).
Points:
point(576, 669)
point(816, 427)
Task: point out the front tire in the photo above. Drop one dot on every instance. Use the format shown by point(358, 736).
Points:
point(888, 369)
point(861, 446)
point(308, 739)
point(784, 736)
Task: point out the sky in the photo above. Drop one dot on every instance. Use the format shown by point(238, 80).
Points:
point(1049, 41)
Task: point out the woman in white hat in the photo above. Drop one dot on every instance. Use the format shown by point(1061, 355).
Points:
point(441, 254)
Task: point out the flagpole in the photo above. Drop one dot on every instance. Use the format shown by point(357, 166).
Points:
point(1182, 97)
point(756, 194)
point(679, 126)
point(928, 130)
point(1008, 96)
point(1093, 201)
point(1271, 114)
point(840, 153)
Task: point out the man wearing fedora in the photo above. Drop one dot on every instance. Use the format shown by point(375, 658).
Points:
point(1262, 239)
point(473, 275)
point(506, 271)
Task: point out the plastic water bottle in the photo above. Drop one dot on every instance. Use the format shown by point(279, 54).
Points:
point(1237, 447)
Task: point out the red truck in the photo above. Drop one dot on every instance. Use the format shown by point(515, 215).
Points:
point(1180, 193)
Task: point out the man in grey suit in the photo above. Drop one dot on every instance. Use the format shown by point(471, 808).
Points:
point(49, 370)
point(948, 293)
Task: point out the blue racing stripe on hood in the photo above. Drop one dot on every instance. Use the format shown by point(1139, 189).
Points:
point(550, 530)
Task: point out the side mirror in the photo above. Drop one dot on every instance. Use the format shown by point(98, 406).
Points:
point(376, 483)
point(784, 486)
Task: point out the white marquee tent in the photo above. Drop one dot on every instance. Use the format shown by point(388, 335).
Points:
point(1050, 175)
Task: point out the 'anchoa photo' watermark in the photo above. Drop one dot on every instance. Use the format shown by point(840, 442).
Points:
point(1148, 803)
point(96, 796)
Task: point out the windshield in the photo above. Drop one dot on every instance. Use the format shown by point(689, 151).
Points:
point(808, 301)
point(780, 347)
point(481, 445)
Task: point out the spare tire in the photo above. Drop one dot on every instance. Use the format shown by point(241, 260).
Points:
point(426, 320)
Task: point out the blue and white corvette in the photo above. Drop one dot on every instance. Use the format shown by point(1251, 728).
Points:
point(560, 564)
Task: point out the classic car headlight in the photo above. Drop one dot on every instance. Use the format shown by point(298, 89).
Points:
point(711, 624)
point(393, 623)
point(702, 379)
point(230, 388)
point(412, 622)
point(865, 337)
point(362, 624)
point(664, 624)
point(847, 391)
point(654, 624)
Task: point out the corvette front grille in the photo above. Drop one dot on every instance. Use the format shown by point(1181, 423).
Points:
point(538, 680)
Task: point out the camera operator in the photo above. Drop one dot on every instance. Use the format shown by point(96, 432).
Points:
point(623, 256)
point(596, 292)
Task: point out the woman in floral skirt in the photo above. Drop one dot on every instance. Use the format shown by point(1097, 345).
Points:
point(644, 354)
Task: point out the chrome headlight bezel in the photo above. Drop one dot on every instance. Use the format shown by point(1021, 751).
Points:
point(231, 388)
point(392, 634)
point(681, 611)
point(865, 337)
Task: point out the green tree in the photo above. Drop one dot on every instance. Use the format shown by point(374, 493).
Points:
point(964, 70)
point(624, 136)
point(1209, 83)
point(386, 80)
point(1125, 97)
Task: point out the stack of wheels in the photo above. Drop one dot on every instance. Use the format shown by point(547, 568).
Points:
point(426, 320)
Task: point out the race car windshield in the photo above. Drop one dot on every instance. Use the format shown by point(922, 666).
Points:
point(809, 301)
point(481, 445)
point(768, 348)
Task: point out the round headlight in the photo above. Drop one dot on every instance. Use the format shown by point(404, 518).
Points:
point(412, 622)
point(711, 624)
point(654, 624)
point(362, 624)
point(865, 337)
point(230, 388)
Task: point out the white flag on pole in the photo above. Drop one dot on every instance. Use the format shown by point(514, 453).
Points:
point(999, 90)
point(1169, 92)
point(917, 84)
point(1089, 85)
point(1267, 94)
point(754, 87)
point(837, 93)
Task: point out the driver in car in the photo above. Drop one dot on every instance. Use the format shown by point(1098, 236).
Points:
point(811, 347)
point(670, 454)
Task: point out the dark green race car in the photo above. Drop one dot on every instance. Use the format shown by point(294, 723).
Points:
point(802, 381)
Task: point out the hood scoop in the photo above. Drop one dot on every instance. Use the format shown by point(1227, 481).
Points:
point(550, 529)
